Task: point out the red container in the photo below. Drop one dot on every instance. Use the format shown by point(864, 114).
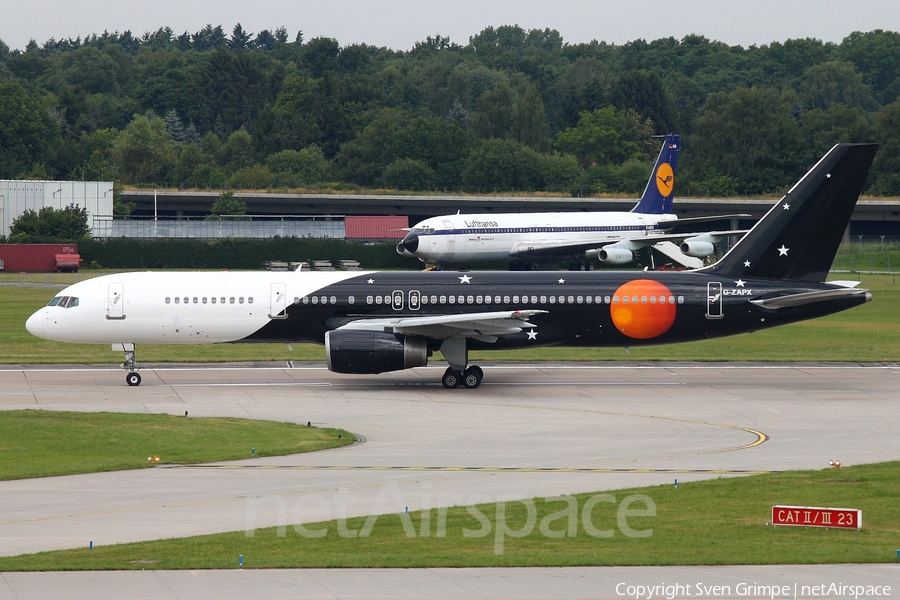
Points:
point(19, 258)
point(375, 228)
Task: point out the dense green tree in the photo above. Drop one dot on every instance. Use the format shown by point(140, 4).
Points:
point(494, 117)
point(644, 93)
point(829, 83)
point(28, 133)
point(408, 174)
point(608, 136)
point(529, 121)
point(749, 135)
point(876, 55)
point(293, 168)
point(496, 165)
point(144, 152)
point(227, 206)
point(68, 224)
point(885, 177)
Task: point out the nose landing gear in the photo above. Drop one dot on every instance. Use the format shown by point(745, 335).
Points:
point(132, 378)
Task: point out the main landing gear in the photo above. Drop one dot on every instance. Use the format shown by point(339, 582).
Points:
point(470, 378)
point(132, 378)
point(456, 353)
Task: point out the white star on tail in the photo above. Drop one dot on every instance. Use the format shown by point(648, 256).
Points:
point(532, 334)
point(783, 251)
point(786, 206)
point(465, 279)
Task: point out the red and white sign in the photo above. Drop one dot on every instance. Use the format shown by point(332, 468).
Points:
point(814, 516)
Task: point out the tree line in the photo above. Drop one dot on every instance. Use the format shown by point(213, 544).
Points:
point(511, 110)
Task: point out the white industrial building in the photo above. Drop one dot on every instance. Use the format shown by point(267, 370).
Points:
point(17, 196)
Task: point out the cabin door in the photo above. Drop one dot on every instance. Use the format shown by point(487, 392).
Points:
point(714, 300)
point(277, 302)
point(115, 306)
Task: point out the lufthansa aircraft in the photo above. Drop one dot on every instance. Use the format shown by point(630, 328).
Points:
point(371, 322)
point(529, 239)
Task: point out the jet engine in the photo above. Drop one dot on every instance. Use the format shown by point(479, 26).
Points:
point(615, 256)
point(697, 248)
point(358, 351)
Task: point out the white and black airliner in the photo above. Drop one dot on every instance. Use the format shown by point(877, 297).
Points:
point(539, 240)
point(372, 322)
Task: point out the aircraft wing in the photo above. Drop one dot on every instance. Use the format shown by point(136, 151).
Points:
point(567, 248)
point(485, 326)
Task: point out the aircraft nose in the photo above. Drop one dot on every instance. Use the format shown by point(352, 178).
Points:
point(35, 324)
point(409, 244)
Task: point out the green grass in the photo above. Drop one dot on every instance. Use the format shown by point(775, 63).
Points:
point(867, 333)
point(38, 443)
point(712, 522)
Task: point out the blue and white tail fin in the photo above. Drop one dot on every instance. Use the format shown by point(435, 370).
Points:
point(799, 237)
point(657, 196)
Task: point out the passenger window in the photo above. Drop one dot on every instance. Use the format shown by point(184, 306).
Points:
point(562, 299)
point(196, 300)
point(587, 299)
point(333, 299)
point(315, 300)
point(605, 299)
point(534, 299)
point(571, 299)
point(643, 299)
point(452, 300)
point(671, 299)
point(479, 299)
point(241, 300)
point(496, 299)
point(460, 299)
point(470, 300)
point(168, 300)
point(377, 299)
point(515, 299)
point(552, 299)
point(680, 299)
point(177, 300)
point(250, 300)
point(186, 300)
point(350, 300)
point(306, 300)
point(506, 300)
point(543, 299)
point(213, 299)
point(369, 299)
point(204, 300)
point(231, 300)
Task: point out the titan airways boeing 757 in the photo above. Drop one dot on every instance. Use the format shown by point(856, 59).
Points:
point(540, 240)
point(372, 322)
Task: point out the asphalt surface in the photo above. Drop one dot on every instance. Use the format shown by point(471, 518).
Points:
point(529, 431)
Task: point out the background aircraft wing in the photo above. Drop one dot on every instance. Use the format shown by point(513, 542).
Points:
point(485, 326)
point(568, 248)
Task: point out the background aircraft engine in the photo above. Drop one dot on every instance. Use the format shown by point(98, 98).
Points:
point(696, 248)
point(355, 351)
point(615, 256)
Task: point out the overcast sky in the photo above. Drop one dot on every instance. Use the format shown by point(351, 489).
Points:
point(399, 24)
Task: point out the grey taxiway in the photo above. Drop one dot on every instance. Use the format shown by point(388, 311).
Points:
point(535, 430)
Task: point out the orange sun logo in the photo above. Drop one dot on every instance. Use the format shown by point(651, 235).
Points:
point(645, 309)
point(665, 179)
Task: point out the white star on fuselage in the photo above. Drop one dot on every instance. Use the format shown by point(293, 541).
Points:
point(176, 320)
point(827, 175)
point(465, 279)
point(370, 281)
point(562, 280)
point(740, 283)
point(783, 251)
point(532, 334)
point(747, 263)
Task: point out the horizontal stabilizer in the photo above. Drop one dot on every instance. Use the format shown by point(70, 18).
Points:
point(809, 298)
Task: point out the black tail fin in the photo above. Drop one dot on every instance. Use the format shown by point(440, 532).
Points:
point(799, 237)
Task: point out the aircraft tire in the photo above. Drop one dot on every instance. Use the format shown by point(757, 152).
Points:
point(451, 379)
point(472, 377)
point(133, 379)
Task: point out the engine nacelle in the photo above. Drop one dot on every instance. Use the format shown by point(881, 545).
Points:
point(366, 352)
point(615, 256)
point(697, 248)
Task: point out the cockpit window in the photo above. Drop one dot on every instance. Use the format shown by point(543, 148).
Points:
point(423, 230)
point(64, 301)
